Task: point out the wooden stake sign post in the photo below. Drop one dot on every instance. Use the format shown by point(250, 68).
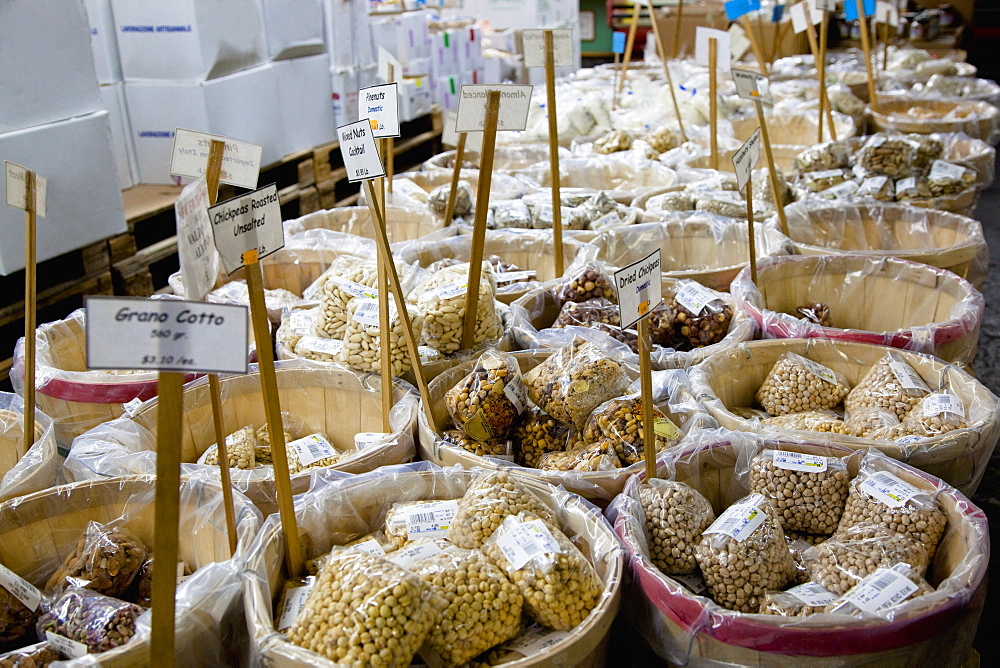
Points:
point(26, 190)
point(551, 49)
point(172, 337)
point(462, 141)
point(886, 14)
point(860, 10)
point(486, 108)
point(677, 29)
point(744, 160)
point(361, 160)
point(629, 44)
point(662, 50)
point(824, 7)
point(712, 51)
point(639, 292)
point(804, 20)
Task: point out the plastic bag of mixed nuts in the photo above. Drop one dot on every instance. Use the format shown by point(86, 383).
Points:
point(827, 155)
point(87, 618)
point(796, 384)
point(496, 447)
point(676, 515)
point(594, 457)
point(486, 404)
point(620, 423)
point(106, 559)
point(890, 155)
point(587, 282)
point(853, 554)
point(536, 435)
point(808, 491)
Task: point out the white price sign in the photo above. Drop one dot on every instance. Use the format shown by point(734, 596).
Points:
point(533, 42)
point(701, 47)
point(245, 223)
point(357, 146)
point(166, 335)
point(886, 12)
point(449, 136)
point(746, 158)
point(815, 13)
point(195, 248)
point(826, 5)
point(752, 86)
point(17, 191)
point(639, 289)
point(802, 14)
point(240, 160)
point(515, 102)
point(380, 105)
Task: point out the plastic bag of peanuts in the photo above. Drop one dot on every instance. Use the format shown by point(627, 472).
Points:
point(492, 497)
point(442, 301)
point(744, 553)
point(620, 422)
point(536, 435)
point(484, 606)
point(890, 384)
point(881, 498)
point(808, 491)
point(796, 384)
point(676, 515)
point(487, 403)
point(559, 585)
point(362, 347)
point(879, 593)
point(851, 555)
point(366, 610)
point(799, 601)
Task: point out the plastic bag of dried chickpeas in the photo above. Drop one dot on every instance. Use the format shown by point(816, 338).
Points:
point(796, 384)
point(676, 515)
point(808, 491)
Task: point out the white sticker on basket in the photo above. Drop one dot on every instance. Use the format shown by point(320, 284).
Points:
point(354, 289)
point(295, 598)
point(911, 438)
point(513, 276)
point(535, 639)
point(20, 588)
point(902, 185)
point(367, 312)
point(70, 648)
point(874, 185)
point(815, 368)
point(321, 345)
point(695, 297)
point(453, 289)
point(427, 354)
point(907, 376)
point(371, 546)
point(825, 174)
point(312, 448)
point(367, 439)
point(941, 170)
point(607, 220)
point(812, 593)
point(796, 461)
point(944, 402)
point(429, 520)
point(515, 393)
point(889, 489)
point(132, 406)
point(411, 555)
point(692, 581)
point(523, 542)
point(882, 589)
point(739, 520)
point(842, 189)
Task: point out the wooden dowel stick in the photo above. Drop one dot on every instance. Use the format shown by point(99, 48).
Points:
point(629, 45)
point(449, 211)
point(885, 46)
point(272, 408)
point(30, 308)
point(479, 225)
point(713, 103)
point(779, 203)
point(384, 324)
point(752, 243)
point(824, 100)
point(614, 84)
point(550, 89)
point(677, 28)
point(388, 154)
point(646, 394)
point(169, 416)
point(758, 51)
point(867, 47)
point(662, 50)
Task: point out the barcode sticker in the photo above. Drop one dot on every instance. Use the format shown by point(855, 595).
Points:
point(367, 439)
point(874, 185)
point(842, 189)
point(514, 391)
point(367, 310)
point(882, 589)
point(944, 402)
point(946, 171)
point(411, 555)
point(371, 546)
point(796, 461)
point(430, 520)
point(825, 174)
point(907, 376)
point(20, 588)
point(312, 448)
point(295, 598)
point(132, 406)
point(906, 184)
point(453, 289)
point(740, 520)
point(535, 639)
point(814, 594)
point(300, 321)
point(523, 542)
point(695, 297)
point(890, 490)
point(694, 582)
point(427, 354)
point(504, 277)
point(321, 345)
point(607, 220)
point(816, 369)
point(354, 289)
point(70, 648)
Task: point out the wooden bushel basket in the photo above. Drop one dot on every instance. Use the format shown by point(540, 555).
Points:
point(685, 629)
point(357, 506)
point(959, 457)
point(880, 300)
point(938, 238)
point(797, 130)
point(331, 400)
point(506, 158)
point(40, 529)
point(40, 466)
point(401, 224)
point(979, 120)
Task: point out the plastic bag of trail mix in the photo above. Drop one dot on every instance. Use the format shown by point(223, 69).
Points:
point(593, 457)
point(487, 403)
point(620, 423)
point(536, 435)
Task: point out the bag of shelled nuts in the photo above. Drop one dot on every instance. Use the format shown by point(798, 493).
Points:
point(676, 515)
point(799, 601)
point(808, 491)
point(853, 554)
point(492, 497)
point(796, 384)
point(487, 403)
point(880, 592)
point(442, 300)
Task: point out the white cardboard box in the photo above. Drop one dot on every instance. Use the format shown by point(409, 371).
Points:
point(305, 100)
point(348, 34)
point(414, 98)
point(241, 106)
point(188, 40)
point(344, 83)
point(294, 28)
point(46, 64)
point(113, 97)
point(102, 41)
point(83, 204)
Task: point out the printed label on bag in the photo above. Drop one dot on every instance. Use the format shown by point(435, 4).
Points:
point(132, 406)
point(695, 297)
point(367, 439)
point(321, 345)
point(535, 639)
point(607, 220)
point(430, 520)
point(816, 368)
point(514, 391)
point(814, 594)
point(300, 322)
point(874, 185)
point(693, 582)
point(944, 402)
point(453, 289)
point(909, 183)
point(907, 376)
point(312, 448)
point(890, 490)
point(505, 277)
point(946, 171)
point(825, 174)
point(367, 311)
point(665, 428)
point(842, 189)
point(295, 598)
point(427, 354)
point(20, 588)
point(411, 555)
point(882, 589)
point(70, 648)
point(354, 289)
point(525, 541)
point(796, 461)
point(739, 520)
point(371, 546)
